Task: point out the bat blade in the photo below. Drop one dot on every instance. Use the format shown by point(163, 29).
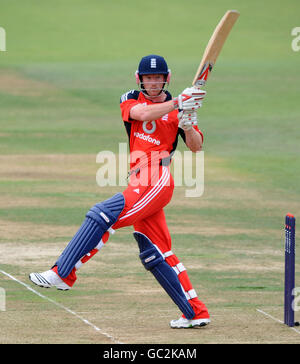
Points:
point(214, 47)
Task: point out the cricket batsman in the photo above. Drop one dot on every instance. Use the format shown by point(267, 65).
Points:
point(153, 121)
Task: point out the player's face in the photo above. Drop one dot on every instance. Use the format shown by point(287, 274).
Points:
point(153, 84)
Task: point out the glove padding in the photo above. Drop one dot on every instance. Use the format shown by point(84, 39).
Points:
point(187, 119)
point(190, 99)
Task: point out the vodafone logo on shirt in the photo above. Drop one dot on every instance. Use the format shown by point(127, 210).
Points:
point(149, 127)
point(146, 138)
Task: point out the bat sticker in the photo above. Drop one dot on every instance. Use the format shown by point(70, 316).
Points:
point(204, 73)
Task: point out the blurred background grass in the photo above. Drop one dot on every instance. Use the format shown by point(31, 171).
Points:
point(83, 54)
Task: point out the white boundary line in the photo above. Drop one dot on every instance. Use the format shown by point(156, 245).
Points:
point(62, 307)
point(275, 319)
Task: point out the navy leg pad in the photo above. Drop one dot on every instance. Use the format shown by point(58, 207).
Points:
point(98, 220)
point(153, 261)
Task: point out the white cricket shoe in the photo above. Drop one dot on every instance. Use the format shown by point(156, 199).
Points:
point(48, 279)
point(184, 323)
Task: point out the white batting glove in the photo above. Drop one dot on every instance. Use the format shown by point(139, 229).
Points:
point(187, 119)
point(190, 99)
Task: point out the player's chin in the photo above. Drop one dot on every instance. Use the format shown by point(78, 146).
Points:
point(154, 93)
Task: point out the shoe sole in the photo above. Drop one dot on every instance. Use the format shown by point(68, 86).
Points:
point(201, 324)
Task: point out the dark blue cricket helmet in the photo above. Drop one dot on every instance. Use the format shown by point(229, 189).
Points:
point(153, 64)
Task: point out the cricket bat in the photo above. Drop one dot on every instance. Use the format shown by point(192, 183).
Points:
point(214, 47)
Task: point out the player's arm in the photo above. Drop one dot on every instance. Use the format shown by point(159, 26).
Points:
point(151, 112)
point(193, 140)
point(192, 135)
point(190, 99)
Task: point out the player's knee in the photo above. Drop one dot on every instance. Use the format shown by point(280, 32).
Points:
point(151, 258)
point(108, 211)
point(149, 253)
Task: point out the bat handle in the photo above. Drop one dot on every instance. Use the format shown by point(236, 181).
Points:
point(199, 83)
point(199, 87)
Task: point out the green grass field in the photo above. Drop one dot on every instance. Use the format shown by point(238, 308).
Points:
point(66, 65)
